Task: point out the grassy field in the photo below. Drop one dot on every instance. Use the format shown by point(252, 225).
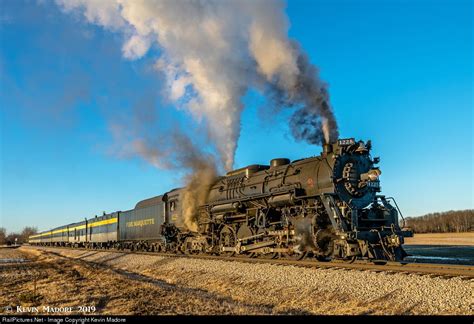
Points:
point(441, 239)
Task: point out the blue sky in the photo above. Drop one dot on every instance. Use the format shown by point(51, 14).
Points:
point(400, 73)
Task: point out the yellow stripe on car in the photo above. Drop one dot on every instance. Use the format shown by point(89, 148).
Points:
point(92, 224)
point(104, 222)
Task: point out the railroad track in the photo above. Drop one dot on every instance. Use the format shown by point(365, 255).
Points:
point(431, 269)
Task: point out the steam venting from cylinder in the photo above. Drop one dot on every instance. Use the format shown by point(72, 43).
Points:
point(200, 169)
point(211, 53)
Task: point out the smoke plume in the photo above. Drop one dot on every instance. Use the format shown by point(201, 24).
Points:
point(140, 133)
point(212, 52)
point(200, 168)
point(201, 174)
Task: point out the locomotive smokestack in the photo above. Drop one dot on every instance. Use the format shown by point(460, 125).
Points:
point(327, 148)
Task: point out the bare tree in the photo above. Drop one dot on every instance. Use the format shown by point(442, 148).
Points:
point(3, 235)
point(26, 233)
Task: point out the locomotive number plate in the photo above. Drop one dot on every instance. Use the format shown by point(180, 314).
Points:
point(346, 141)
point(373, 184)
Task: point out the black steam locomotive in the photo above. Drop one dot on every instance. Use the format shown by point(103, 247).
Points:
point(326, 207)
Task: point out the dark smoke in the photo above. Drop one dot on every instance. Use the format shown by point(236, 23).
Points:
point(313, 120)
point(305, 126)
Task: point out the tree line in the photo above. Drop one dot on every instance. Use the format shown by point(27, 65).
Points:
point(444, 222)
point(21, 237)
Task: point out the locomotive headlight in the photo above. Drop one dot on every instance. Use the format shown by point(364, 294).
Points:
point(372, 175)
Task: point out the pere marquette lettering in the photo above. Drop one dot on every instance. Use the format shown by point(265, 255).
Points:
point(140, 223)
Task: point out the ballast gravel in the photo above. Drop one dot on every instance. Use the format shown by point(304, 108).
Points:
point(298, 290)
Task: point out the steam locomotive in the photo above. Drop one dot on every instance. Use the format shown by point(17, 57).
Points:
point(324, 207)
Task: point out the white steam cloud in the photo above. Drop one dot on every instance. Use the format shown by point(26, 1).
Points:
point(212, 52)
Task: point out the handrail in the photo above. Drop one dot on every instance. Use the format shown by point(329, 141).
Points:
point(399, 211)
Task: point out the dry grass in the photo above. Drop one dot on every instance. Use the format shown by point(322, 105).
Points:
point(10, 253)
point(63, 282)
point(441, 239)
